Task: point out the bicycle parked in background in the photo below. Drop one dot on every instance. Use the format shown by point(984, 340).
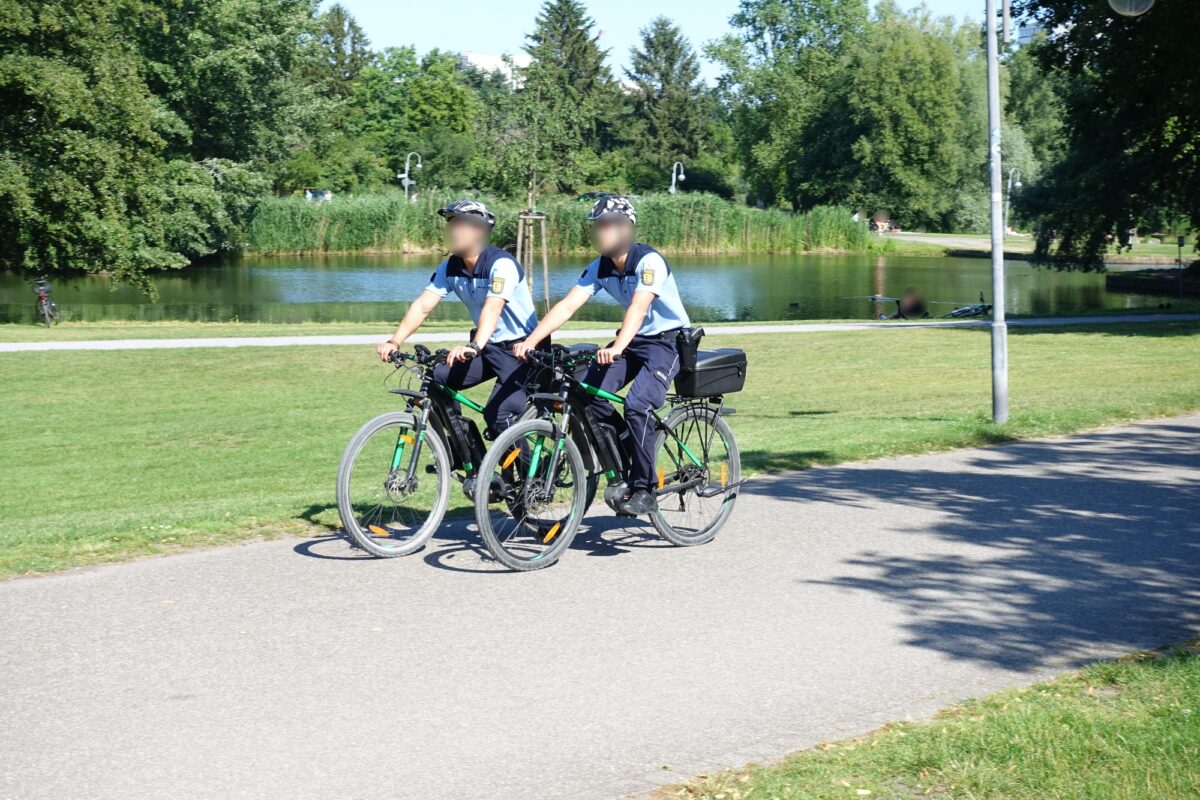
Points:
point(546, 466)
point(46, 310)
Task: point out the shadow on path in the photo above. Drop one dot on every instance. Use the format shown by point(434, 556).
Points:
point(1049, 545)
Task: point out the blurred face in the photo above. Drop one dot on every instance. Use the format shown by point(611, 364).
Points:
point(465, 237)
point(612, 237)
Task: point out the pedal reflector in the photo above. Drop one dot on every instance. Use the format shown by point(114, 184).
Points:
point(378, 531)
point(510, 458)
point(550, 534)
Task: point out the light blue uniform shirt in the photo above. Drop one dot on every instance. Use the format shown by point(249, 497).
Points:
point(645, 271)
point(496, 274)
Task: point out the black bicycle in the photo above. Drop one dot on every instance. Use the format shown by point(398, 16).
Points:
point(46, 310)
point(546, 466)
point(394, 480)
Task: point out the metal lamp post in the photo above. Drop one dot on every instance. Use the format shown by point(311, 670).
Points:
point(404, 178)
point(676, 172)
point(1008, 195)
point(999, 326)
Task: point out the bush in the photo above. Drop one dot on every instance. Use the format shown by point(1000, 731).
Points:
point(682, 223)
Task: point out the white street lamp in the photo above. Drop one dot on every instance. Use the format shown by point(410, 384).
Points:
point(676, 172)
point(404, 178)
point(1131, 8)
point(1008, 195)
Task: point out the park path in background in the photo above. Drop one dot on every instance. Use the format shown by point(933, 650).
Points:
point(835, 600)
point(597, 333)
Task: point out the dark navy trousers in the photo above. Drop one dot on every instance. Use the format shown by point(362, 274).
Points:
point(507, 401)
point(651, 364)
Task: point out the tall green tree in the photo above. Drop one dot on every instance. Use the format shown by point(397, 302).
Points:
point(1131, 124)
point(783, 58)
point(232, 72)
point(84, 178)
point(888, 136)
point(425, 105)
point(343, 51)
point(670, 102)
point(567, 107)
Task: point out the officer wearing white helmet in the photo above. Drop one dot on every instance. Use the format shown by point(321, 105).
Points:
point(492, 285)
point(645, 351)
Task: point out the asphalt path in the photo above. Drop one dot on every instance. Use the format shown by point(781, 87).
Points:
point(596, 333)
point(836, 599)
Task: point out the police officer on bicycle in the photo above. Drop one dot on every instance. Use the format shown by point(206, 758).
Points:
point(645, 351)
point(492, 285)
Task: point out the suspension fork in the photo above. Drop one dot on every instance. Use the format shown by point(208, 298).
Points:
point(417, 441)
point(559, 438)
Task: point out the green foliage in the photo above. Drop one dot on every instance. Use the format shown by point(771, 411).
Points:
point(343, 52)
point(780, 65)
point(1131, 121)
point(81, 141)
point(566, 110)
point(693, 223)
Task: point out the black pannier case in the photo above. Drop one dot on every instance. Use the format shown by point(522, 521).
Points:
point(717, 372)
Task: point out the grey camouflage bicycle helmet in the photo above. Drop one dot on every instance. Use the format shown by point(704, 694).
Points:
point(612, 206)
point(469, 209)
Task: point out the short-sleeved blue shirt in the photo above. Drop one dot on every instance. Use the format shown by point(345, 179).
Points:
point(496, 274)
point(645, 271)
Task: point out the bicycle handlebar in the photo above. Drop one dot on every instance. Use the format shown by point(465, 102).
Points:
point(421, 356)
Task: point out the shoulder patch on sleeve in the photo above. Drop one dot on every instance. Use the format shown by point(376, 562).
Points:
point(497, 285)
point(647, 277)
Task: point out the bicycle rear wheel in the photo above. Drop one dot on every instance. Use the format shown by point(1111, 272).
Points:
point(695, 514)
point(391, 494)
point(529, 517)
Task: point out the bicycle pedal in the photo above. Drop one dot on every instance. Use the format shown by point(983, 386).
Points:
point(623, 515)
point(431, 469)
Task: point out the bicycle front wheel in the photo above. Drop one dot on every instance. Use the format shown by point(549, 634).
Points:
point(697, 453)
point(393, 485)
point(535, 501)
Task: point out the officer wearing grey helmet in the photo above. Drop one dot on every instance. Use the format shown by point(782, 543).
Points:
point(492, 285)
point(645, 352)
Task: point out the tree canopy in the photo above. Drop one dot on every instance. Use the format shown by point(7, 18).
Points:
point(141, 134)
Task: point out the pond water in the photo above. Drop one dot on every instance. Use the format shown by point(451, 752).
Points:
point(376, 288)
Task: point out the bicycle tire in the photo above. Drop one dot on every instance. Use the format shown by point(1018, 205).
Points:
point(663, 517)
point(499, 544)
point(364, 538)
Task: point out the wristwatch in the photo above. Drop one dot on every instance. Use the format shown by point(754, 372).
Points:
point(475, 347)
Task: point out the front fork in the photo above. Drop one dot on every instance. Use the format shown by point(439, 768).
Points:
point(558, 439)
point(416, 441)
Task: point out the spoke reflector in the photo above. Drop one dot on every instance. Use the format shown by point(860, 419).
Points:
point(662, 478)
point(407, 439)
point(550, 534)
point(378, 531)
point(510, 458)
point(724, 474)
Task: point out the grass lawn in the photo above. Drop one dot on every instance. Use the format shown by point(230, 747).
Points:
point(1113, 731)
point(110, 455)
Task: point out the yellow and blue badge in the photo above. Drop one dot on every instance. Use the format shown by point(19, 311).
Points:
point(497, 285)
point(647, 277)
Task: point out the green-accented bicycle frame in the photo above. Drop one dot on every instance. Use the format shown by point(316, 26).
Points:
point(429, 402)
point(562, 429)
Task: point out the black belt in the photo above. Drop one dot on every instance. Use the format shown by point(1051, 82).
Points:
point(671, 334)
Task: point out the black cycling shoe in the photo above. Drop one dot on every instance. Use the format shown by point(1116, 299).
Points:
point(639, 503)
